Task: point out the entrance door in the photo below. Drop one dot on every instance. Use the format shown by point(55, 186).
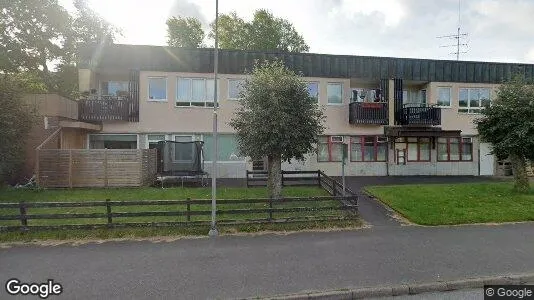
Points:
point(487, 160)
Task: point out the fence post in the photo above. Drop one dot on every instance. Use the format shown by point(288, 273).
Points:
point(319, 177)
point(333, 187)
point(270, 209)
point(70, 169)
point(23, 217)
point(106, 181)
point(282, 174)
point(247, 177)
point(37, 158)
point(108, 208)
point(188, 209)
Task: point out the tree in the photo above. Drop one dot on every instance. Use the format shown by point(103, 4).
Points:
point(184, 32)
point(508, 124)
point(264, 32)
point(277, 118)
point(16, 120)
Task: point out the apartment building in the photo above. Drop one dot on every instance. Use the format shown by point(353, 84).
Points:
point(398, 116)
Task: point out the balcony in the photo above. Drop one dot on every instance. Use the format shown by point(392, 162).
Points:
point(421, 115)
point(108, 108)
point(368, 113)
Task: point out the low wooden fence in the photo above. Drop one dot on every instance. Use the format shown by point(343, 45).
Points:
point(95, 167)
point(185, 212)
point(289, 178)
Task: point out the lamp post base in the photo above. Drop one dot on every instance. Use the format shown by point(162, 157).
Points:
point(213, 232)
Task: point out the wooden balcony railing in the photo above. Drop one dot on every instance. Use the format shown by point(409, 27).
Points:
point(420, 116)
point(108, 108)
point(368, 113)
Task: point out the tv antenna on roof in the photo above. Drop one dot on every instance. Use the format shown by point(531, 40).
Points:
point(458, 37)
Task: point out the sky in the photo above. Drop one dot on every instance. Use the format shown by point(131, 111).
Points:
point(497, 30)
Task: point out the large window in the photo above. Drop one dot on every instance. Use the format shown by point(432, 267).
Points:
point(330, 148)
point(113, 141)
point(444, 96)
point(183, 152)
point(157, 88)
point(455, 149)
point(368, 148)
point(235, 87)
point(313, 90)
point(153, 139)
point(472, 100)
point(227, 148)
point(418, 149)
point(334, 92)
point(114, 88)
point(195, 92)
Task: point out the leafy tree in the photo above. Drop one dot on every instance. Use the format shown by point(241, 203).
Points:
point(508, 124)
point(277, 118)
point(184, 32)
point(264, 32)
point(16, 120)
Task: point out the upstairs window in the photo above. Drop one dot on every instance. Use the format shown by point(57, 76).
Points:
point(335, 93)
point(313, 90)
point(157, 89)
point(195, 92)
point(444, 96)
point(114, 88)
point(235, 87)
point(472, 100)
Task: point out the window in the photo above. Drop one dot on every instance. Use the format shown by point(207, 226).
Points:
point(418, 149)
point(153, 140)
point(194, 92)
point(327, 150)
point(235, 87)
point(334, 92)
point(227, 150)
point(313, 90)
point(114, 88)
point(412, 98)
point(455, 149)
point(183, 152)
point(444, 96)
point(157, 88)
point(113, 141)
point(472, 100)
point(368, 148)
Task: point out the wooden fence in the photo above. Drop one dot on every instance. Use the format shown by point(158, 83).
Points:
point(186, 212)
point(259, 178)
point(95, 167)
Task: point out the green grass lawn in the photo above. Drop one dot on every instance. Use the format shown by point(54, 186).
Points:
point(125, 194)
point(446, 204)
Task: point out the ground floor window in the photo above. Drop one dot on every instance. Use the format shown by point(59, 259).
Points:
point(418, 148)
point(227, 150)
point(455, 149)
point(153, 140)
point(113, 141)
point(368, 148)
point(330, 148)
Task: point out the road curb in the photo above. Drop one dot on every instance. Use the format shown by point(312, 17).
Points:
point(411, 289)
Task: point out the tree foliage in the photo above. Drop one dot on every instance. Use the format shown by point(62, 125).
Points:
point(39, 33)
point(508, 124)
point(264, 32)
point(16, 120)
point(184, 32)
point(277, 118)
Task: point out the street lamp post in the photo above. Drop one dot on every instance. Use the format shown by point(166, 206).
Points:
point(213, 230)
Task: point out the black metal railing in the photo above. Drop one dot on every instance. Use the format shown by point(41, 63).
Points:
point(368, 113)
point(422, 115)
point(107, 108)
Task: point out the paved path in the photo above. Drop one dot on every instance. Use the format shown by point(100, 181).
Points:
point(374, 213)
point(234, 266)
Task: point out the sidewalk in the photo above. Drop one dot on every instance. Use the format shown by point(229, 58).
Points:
point(245, 266)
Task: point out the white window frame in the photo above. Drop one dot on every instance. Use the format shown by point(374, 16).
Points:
point(191, 92)
point(342, 88)
point(228, 82)
point(318, 88)
point(88, 141)
point(476, 110)
point(450, 96)
point(166, 89)
point(147, 140)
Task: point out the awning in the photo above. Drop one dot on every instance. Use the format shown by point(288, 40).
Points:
point(404, 131)
point(80, 125)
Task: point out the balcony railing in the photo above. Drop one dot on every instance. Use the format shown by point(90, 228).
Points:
point(420, 116)
point(368, 113)
point(108, 108)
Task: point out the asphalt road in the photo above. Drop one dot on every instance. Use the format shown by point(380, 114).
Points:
point(244, 266)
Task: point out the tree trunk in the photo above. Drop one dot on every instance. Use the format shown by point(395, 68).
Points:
point(274, 182)
point(520, 173)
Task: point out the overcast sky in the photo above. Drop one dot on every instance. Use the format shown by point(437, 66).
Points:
point(498, 30)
